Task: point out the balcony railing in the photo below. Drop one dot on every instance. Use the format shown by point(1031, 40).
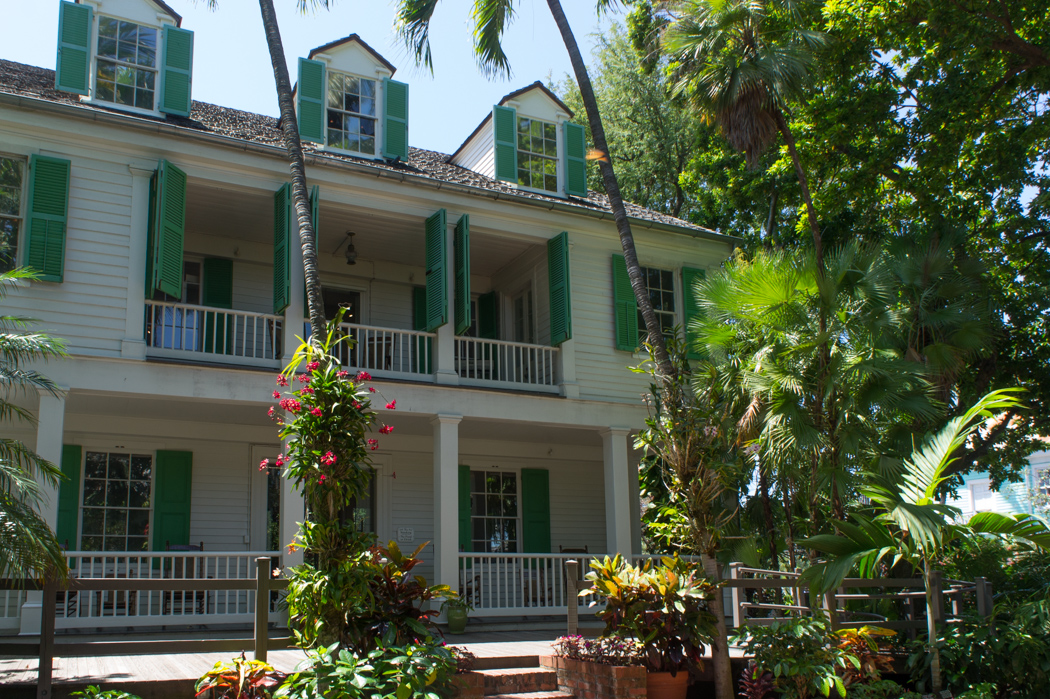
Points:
point(513, 584)
point(181, 331)
point(506, 364)
point(388, 351)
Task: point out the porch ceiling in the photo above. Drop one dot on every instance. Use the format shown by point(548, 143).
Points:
point(166, 408)
point(495, 430)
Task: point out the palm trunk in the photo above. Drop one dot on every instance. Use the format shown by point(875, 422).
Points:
point(931, 629)
point(612, 191)
point(297, 165)
point(722, 668)
point(803, 183)
point(767, 512)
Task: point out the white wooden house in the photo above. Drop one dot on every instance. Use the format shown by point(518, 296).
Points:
point(485, 290)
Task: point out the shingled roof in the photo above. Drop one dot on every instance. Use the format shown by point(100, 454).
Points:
point(39, 83)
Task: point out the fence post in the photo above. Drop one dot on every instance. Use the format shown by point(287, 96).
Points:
point(572, 602)
point(262, 607)
point(734, 594)
point(983, 593)
point(797, 592)
point(47, 640)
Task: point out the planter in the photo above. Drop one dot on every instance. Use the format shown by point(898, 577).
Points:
point(596, 681)
point(661, 685)
point(457, 620)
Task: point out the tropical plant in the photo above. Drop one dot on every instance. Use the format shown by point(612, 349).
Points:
point(94, 691)
point(881, 689)
point(755, 683)
point(801, 655)
point(605, 650)
point(422, 670)
point(911, 525)
point(240, 679)
point(862, 643)
point(28, 547)
point(490, 19)
point(663, 604)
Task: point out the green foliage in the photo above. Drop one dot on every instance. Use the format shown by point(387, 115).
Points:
point(605, 650)
point(881, 689)
point(240, 679)
point(96, 692)
point(801, 656)
point(663, 605)
point(1014, 571)
point(422, 670)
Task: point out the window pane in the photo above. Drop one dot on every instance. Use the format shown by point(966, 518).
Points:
point(114, 543)
point(550, 182)
point(138, 543)
point(477, 481)
point(8, 244)
point(138, 522)
point(94, 520)
point(128, 32)
point(352, 125)
point(368, 88)
point(536, 129)
point(368, 106)
point(550, 148)
point(141, 467)
point(107, 48)
point(477, 505)
point(118, 466)
point(94, 493)
point(524, 125)
point(125, 94)
point(335, 90)
point(91, 543)
point(107, 27)
point(116, 522)
point(117, 494)
point(352, 103)
point(368, 127)
point(126, 51)
point(139, 496)
point(368, 145)
point(493, 505)
point(353, 85)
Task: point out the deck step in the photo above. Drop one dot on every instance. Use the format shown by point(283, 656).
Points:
point(519, 680)
point(499, 662)
point(533, 695)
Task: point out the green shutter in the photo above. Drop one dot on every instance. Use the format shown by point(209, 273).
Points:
point(488, 316)
point(74, 48)
point(395, 120)
point(424, 346)
point(282, 218)
point(560, 292)
point(172, 492)
point(311, 92)
point(168, 230)
point(217, 292)
point(176, 71)
point(461, 253)
point(575, 160)
point(464, 508)
point(47, 210)
point(437, 288)
point(69, 498)
point(625, 307)
point(535, 511)
point(315, 203)
point(505, 135)
point(690, 275)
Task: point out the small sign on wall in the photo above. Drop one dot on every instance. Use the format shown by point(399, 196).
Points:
point(406, 535)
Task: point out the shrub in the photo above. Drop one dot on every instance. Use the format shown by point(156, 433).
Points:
point(240, 679)
point(607, 650)
point(755, 683)
point(96, 692)
point(881, 689)
point(663, 605)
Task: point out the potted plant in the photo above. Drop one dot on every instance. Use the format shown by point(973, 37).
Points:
point(456, 610)
point(664, 606)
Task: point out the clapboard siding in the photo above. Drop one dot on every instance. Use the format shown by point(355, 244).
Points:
point(389, 305)
point(252, 287)
point(578, 513)
point(221, 492)
point(412, 503)
point(478, 154)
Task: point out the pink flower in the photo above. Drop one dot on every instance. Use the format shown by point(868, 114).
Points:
point(303, 378)
point(373, 444)
point(281, 381)
point(328, 459)
point(357, 406)
point(280, 460)
point(276, 395)
point(320, 481)
point(371, 389)
point(316, 411)
point(313, 366)
point(291, 405)
point(264, 464)
point(363, 376)
point(342, 374)
point(306, 390)
point(271, 412)
point(392, 405)
point(386, 429)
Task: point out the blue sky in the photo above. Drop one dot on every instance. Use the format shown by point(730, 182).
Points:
point(232, 65)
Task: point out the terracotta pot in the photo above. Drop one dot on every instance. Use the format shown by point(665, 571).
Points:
point(660, 685)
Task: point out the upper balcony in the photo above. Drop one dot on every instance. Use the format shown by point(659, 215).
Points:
point(475, 313)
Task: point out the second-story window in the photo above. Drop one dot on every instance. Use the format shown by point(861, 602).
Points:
point(352, 113)
point(12, 174)
point(537, 154)
point(660, 285)
point(126, 63)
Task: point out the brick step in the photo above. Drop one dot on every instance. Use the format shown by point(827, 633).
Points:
point(533, 695)
point(518, 680)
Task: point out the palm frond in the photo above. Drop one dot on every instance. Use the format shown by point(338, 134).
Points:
point(491, 18)
point(412, 25)
point(28, 547)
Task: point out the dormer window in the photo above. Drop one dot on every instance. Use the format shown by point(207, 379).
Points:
point(537, 154)
point(352, 113)
point(126, 63)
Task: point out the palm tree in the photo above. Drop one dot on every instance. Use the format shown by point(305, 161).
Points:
point(740, 62)
point(910, 524)
point(28, 547)
point(490, 17)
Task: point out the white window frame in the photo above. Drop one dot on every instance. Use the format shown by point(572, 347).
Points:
point(131, 449)
point(676, 294)
point(378, 114)
point(558, 158)
point(19, 253)
point(93, 72)
point(516, 473)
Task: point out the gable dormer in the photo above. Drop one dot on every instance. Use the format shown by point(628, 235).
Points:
point(130, 55)
point(348, 102)
point(529, 142)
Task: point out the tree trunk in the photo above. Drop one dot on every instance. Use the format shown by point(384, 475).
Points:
point(612, 191)
point(803, 183)
point(297, 166)
point(767, 512)
point(931, 629)
point(722, 668)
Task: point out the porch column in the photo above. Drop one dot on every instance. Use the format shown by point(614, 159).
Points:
point(293, 511)
point(617, 491)
point(446, 500)
point(567, 369)
point(445, 345)
point(294, 320)
point(49, 429)
point(133, 346)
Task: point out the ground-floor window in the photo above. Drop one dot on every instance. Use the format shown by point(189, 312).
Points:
point(494, 512)
point(118, 489)
point(364, 508)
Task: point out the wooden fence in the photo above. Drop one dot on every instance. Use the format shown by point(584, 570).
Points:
point(47, 649)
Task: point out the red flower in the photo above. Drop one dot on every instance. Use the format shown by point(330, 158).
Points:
point(303, 378)
point(328, 459)
point(291, 548)
point(386, 429)
point(371, 389)
point(276, 395)
point(363, 376)
point(291, 405)
point(271, 412)
point(263, 464)
point(373, 444)
point(357, 406)
point(306, 390)
point(313, 366)
point(320, 481)
point(281, 381)
point(392, 405)
point(316, 411)
point(342, 374)
point(280, 460)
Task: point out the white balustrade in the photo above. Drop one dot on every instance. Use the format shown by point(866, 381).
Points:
point(506, 364)
point(388, 351)
point(180, 331)
point(506, 584)
point(92, 609)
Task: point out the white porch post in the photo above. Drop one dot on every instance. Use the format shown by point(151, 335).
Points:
point(567, 369)
point(446, 500)
point(133, 346)
point(294, 318)
point(293, 511)
point(617, 491)
point(49, 429)
point(445, 345)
